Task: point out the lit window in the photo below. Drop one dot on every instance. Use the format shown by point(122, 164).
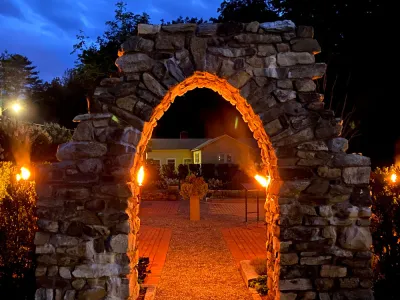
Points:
point(187, 161)
point(197, 158)
point(221, 157)
point(229, 158)
point(171, 161)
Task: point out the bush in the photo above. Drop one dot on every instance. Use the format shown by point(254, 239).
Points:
point(58, 133)
point(208, 171)
point(385, 227)
point(193, 186)
point(20, 137)
point(194, 169)
point(215, 184)
point(168, 171)
point(183, 171)
point(17, 232)
point(260, 265)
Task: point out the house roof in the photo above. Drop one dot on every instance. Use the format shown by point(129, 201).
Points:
point(193, 144)
point(246, 142)
point(169, 144)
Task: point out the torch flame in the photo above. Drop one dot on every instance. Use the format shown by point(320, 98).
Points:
point(140, 176)
point(25, 174)
point(262, 180)
point(393, 178)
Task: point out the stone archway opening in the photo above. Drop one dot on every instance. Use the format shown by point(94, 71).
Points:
point(318, 236)
point(253, 121)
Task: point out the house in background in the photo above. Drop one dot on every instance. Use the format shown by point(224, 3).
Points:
point(220, 150)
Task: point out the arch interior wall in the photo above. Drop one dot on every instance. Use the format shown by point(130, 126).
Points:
point(318, 206)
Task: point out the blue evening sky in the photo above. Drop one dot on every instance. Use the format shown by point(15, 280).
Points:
point(45, 30)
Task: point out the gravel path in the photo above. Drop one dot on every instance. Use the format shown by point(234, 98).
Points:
point(199, 265)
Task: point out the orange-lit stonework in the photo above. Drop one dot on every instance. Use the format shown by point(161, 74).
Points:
point(317, 206)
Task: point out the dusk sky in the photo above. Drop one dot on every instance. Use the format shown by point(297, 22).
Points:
point(45, 30)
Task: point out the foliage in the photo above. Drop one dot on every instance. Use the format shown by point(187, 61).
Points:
point(215, 184)
point(17, 231)
point(171, 181)
point(193, 186)
point(59, 134)
point(60, 100)
point(385, 227)
point(194, 169)
point(168, 171)
point(181, 20)
point(208, 170)
point(246, 11)
point(183, 171)
point(21, 137)
point(260, 285)
point(97, 60)
point(17, 76)
point(142, 269)
point(260, 265)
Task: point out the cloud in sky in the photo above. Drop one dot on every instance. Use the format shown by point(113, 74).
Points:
point(45, 30)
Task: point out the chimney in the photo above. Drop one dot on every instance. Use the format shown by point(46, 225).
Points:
point(184, 135)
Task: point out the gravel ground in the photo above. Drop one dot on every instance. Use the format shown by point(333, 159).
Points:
point(199, 264)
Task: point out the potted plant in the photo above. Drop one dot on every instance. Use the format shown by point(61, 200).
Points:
point(193, 188)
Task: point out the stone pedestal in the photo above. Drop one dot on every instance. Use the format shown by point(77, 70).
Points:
point(194, 208)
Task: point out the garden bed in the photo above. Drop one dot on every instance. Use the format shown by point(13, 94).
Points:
point(160, 195)
point(255, 282)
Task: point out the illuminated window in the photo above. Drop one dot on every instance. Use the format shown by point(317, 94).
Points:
point(229, 158)
point(197, 158)
point(221, 157)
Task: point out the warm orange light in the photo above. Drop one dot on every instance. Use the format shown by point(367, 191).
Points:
point(25, 174)
point(262, 180)
point(393, 177)
point(140, 176)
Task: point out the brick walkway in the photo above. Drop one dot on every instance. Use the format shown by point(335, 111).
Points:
point(154, 244)
point(246, 243)
point(178, 248)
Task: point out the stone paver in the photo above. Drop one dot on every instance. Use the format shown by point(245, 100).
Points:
point(154, 244)
point(201, 262)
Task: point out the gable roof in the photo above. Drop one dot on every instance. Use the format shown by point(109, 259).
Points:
point(211, 141)
point(194, 144)
point(169, 144)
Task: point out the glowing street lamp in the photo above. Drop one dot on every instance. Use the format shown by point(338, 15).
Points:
point(16, 107)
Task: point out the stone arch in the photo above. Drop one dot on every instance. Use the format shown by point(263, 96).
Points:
point(318, 209)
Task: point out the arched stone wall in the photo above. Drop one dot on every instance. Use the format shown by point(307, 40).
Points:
point(318, 205)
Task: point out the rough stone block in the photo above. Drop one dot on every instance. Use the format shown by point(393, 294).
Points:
point(356, 175)
point(356, 238)
point(286, 59)
point(333, 271)
point(298, 284)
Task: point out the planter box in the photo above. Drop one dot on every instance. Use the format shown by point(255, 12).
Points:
point(249, 275)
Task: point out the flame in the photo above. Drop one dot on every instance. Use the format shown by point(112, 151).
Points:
point(262, 180)
point(140, 176)
point(393, 177)
point(25, 174)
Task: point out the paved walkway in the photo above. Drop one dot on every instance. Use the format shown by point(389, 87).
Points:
point(200, 257)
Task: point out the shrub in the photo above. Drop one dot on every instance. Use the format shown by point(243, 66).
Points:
point(208, 171)
point(260, 285)
point(194, 169)
point(171, 181)
point(58, 133)
point(385, 227)
point(168, 171)
point(215, 184)
point(260, 265)
point(193, 186)
point(21, 136)
point(17, 232)
point(183, 171)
